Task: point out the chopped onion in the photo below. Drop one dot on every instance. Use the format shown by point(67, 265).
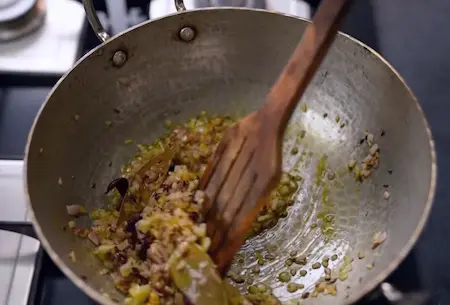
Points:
point(75, 210)
point(72, 256)
point(94, 238)
point(123, 245)
point(374, 149)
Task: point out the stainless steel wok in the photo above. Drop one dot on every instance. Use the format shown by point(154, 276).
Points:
point(223, 61)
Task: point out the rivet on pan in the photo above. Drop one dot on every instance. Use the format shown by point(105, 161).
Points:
point(119, 58)
point(187, 34)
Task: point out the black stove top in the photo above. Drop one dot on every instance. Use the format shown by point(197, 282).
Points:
point(427, 268)
point(51, 287)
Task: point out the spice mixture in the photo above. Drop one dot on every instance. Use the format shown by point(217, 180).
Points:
point(163, 210)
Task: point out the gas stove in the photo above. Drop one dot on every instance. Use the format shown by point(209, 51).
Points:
point(28, 276)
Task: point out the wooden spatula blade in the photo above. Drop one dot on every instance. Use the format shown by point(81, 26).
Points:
point(247, 165)
point(222, 211)
point(231, 208)
point(242, 210)
point(224, 167)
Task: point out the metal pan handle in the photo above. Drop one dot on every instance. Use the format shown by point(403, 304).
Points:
point(95, 23)
point(179, 5)
point(97, 26)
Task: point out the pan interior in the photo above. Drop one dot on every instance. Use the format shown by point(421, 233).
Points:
point(227, 70)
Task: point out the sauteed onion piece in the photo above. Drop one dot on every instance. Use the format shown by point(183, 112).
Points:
point(156, 206)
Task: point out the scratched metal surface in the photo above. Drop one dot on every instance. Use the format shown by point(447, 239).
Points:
point(225, 73)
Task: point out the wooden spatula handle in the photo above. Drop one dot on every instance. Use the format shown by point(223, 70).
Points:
point(302, 65)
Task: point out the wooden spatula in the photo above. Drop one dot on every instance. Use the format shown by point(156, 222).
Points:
point(246, 165)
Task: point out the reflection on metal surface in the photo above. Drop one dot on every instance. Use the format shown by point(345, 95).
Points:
point(396, 297)
point(179, 5)
point(391, 293)
point(93, 19)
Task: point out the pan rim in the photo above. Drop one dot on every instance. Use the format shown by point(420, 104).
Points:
point(98, 297)
point(372, 284)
